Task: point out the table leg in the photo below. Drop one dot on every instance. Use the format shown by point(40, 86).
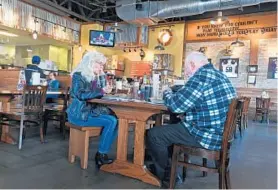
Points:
point(158, 120)
point(6, 136)
point(121, 165)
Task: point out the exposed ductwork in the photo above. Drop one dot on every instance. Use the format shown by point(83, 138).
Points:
point(153, 11)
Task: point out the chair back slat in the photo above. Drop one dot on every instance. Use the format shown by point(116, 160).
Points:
point(246, 104)
point(34, 98)
point(230, 122)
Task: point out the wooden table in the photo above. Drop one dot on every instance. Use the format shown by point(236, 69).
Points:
point(138, 112)
point(6, 97)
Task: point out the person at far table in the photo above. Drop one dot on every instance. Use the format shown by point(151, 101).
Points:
point(204, 100)
point(53, 85)
point(33, 68)
point(86, 85)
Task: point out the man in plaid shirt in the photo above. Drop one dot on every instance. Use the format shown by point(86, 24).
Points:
point(204, 101)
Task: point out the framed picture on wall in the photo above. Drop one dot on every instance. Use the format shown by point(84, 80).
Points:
point(229, 66)
point(272, 71)
point(251, 79)
point(252, 68)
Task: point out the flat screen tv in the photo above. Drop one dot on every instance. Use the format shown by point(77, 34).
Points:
point(102, 38)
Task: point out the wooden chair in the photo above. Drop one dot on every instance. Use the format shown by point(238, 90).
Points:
point(79, 142)
point(239, 116)
point(262, 108)
point(57, 112)
point(221, 157)
point(245, 111)
point(30, 113)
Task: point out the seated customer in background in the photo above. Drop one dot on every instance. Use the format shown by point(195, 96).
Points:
point(204, 100)
point(33, 68)
point(85, 86)
point(53, 85)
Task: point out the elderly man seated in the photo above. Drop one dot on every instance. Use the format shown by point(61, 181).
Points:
point(204, 101)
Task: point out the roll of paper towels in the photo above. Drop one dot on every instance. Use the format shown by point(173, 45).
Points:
point(36, 78)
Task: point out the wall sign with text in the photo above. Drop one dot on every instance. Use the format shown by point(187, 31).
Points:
point(247, 26)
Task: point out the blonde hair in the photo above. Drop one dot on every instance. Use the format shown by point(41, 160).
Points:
point(86, 64)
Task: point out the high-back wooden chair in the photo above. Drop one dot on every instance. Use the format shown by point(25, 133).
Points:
point(245, 111)
point(262, 108)
point(31, 111)
point(221, 157)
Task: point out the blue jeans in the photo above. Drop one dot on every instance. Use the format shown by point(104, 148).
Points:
point(109, 131)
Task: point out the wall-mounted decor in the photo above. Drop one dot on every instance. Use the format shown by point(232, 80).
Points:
point(165, 37)
point(272, 72)
point(163, 62)
point(251, 79)
point(252, 68)
point(229, 67)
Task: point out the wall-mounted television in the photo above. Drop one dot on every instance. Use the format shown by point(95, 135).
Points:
point(101, 38)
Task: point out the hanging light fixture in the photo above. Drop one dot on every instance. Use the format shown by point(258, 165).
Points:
point(219, 19)
point(35, 33)
point(238, 43)
point(29, 49)
point(159, 47)
point(116, 28)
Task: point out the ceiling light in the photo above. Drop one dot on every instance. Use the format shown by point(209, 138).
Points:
point(237, 43)
point(35, 35)
point(219, 19)
point(4, 33)
point(29, 49)
point(159, 47)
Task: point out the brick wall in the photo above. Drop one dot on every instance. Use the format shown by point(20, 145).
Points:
point(215, 51)
point(267, 48)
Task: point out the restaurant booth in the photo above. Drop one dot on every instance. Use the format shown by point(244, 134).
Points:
point(142, 61)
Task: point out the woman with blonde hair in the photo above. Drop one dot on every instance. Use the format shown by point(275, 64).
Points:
point(86, 85)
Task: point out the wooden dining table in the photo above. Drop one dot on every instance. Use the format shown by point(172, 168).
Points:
point(138, 112)
point(6, 96)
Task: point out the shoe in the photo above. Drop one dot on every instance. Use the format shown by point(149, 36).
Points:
point(101, 159)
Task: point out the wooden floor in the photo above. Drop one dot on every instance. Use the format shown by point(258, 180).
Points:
point(254, 164)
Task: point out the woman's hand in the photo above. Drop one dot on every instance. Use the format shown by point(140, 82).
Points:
point(107, 89)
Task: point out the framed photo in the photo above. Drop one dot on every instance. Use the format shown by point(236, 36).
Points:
point(229, 66)
point(251, 79)
point(272, 71)
point(252, 68)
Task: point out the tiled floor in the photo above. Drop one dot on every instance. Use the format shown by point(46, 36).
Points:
point(254, 164)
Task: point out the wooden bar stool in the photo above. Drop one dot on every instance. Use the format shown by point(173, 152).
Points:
point(79, 142)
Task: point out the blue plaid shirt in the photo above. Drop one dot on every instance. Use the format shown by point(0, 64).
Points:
point(205, 100)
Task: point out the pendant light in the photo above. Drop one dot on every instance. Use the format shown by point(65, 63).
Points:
point(219, 19)
point(35, 33)
point(238, 43)
point(159, 47)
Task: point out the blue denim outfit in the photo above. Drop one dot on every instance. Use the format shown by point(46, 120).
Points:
point(84, 114)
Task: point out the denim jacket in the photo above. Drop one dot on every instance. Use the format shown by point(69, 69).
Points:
point(82, 91)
